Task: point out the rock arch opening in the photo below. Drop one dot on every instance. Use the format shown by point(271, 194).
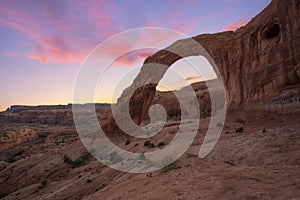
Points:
point(141, 93)
point(186, 71)
point(194, 71)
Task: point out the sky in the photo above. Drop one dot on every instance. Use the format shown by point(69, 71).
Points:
point(44, 43)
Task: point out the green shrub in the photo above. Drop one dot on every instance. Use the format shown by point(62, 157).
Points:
point(11, 160)
point(67, 159)
point(127, 142)
point(142, 156)
point(147, 143)
point(161, 144)
point(219, 124)
point(115, 158)
point(151, 145)
point(167, 161)
point(170, 167)
point(239, 130)
point(75, 163)
point(88, 180)
point(43, 184)
point(92, 151)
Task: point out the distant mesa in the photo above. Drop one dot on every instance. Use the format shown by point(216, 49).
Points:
point(21, 108)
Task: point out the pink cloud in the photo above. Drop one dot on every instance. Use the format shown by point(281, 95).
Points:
point(174, 17)
point(65, 45)
point(53, 50)
point(35, 57)
point(9, 54)
point(18, 27)
point(47, 49)
point(237, 24)
point(134, 57)
point(60, 35)
point(98, 17)
point(194, 78)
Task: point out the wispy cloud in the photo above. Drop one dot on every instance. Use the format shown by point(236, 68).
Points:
point(194, 78)
point(58, 32)
point(237, 24)
point(133, 57)
point(35, 57)
point(9, 54)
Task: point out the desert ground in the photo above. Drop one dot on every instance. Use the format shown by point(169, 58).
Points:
point(260, 162)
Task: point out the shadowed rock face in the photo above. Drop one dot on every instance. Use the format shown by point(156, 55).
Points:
point(259, 63)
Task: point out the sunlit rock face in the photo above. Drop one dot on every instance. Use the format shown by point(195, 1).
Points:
point(258, 63)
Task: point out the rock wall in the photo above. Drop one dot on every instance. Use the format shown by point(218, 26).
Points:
point(257, 63)
point(9, 138)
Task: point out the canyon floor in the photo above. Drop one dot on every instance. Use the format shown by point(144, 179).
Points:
point(260, 162)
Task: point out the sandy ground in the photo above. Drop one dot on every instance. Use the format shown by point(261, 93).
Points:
point(262, 162)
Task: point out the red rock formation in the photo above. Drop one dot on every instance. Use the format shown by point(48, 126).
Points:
point(11, 138)
point(259, 63)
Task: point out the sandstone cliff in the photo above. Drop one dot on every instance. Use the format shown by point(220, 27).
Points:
point(259, 63)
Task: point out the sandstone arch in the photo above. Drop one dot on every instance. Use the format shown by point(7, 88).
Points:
point(254, 67)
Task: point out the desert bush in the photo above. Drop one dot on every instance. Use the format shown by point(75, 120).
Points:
point(73, 163)
point(239, 130)
point(127, 142)
point(142, 156)
point(43, 184)
point(151, 145)
point(161, 144)
point(88, 180)
point(11, 160)
point(147, 143)
point(219, 124)
point(167, 164)
point(170, 167)
point(67, 159)
point(92, 151)
point(115, 158)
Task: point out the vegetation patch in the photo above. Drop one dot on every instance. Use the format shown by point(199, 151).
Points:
point(127, 142)
point(219, 124)
point(88, 180)
point(43, 184)
point(239, 130)
point(168, 164)
point(142, 156)
point(115, 158)
point(147, 143)
point(73, 163)
point(161, 144)
point(170, 167)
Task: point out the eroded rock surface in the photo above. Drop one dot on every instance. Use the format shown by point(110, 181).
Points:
point(259, 63)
